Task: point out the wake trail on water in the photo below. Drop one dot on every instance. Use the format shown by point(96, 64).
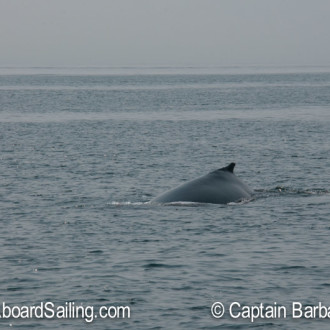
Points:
point(180, 204)
point(278, 191)
point(290, 191)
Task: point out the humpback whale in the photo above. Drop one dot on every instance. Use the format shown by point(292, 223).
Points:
point(221, 186)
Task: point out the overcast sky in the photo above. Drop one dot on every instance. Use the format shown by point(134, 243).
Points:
point(164, 32)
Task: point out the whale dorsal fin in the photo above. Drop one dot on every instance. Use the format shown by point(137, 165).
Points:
point(229, 168)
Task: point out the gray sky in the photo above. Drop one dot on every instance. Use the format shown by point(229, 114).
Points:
point(164, 32)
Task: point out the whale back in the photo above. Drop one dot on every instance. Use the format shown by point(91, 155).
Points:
point(221, 186)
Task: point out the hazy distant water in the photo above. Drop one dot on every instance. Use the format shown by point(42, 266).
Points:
point(82, 150)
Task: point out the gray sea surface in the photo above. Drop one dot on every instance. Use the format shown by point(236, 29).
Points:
point(83, 150)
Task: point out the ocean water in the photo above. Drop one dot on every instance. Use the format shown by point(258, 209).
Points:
point(83, 150)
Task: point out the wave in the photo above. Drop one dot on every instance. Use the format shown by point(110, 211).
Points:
point(242, 201)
